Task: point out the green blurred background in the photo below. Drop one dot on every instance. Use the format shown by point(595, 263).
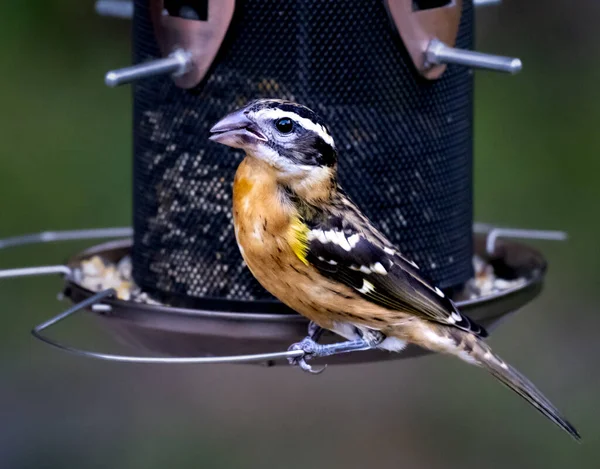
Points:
point(65, 162)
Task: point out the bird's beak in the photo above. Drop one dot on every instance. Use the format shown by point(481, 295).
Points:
point(236, 130)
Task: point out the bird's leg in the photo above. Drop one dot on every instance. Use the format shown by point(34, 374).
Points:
point(315, 331)
point(369, 339)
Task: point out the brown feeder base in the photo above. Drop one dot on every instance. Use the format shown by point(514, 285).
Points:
point(180, 332)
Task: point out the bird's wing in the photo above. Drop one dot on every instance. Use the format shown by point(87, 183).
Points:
point(364, 261)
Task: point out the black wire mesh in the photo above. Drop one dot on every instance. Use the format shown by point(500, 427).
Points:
point(405, 142)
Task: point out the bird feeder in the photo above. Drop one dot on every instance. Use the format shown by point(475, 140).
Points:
point(393, 79)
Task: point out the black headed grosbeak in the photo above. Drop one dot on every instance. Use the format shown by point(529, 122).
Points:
point(313, 249)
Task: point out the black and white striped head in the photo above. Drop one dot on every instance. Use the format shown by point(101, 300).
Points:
point(290, 137)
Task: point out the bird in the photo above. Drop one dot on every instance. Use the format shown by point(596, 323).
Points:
point(310, 246)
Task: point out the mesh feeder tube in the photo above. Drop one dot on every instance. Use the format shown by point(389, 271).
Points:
point(405, 142)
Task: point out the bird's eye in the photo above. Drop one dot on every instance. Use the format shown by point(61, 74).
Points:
point(284, 125)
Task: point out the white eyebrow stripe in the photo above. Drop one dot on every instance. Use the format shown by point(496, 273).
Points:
point(275, 113)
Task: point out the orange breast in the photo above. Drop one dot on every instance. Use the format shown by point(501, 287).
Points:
point(264, 234)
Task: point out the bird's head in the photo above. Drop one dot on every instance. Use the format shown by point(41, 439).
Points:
point(287, 136)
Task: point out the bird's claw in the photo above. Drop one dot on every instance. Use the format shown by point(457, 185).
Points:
point(310, 349)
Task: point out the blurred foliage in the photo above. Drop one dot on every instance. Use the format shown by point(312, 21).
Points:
point(65, 163)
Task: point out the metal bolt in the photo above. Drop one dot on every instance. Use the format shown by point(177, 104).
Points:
point(439, 53)
point(518, 233)
point(35, 271)
point(485, 3)
point(101, 308)
point(176, 64)
point(115, 8)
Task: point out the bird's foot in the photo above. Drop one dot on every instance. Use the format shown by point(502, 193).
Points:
point(311, 349)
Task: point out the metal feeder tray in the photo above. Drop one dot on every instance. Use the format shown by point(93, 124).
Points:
point(184, 335)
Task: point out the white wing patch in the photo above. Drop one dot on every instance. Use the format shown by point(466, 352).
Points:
point(379, 268)
point(353, 240)
point(347, 244)
point(457, 317)
point(337, 237)
point(332, 236)
point(366, 288)
point(330, 262)
point(318, 235)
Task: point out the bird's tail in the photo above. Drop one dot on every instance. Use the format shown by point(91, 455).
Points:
point(481, 353)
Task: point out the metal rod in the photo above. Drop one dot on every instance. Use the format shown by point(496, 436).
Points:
point(79, 306)
point(35, 271)
point(439, 53)
point(70, 235)
point(177, 63)
point(485, 3)
point(259, 357)
point(115, 8)
point(494, 234)
point(92, 300)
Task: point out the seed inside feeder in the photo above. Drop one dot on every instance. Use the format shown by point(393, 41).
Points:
point(97, 274)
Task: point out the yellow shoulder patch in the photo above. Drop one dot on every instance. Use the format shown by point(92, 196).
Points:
point(298, 238)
